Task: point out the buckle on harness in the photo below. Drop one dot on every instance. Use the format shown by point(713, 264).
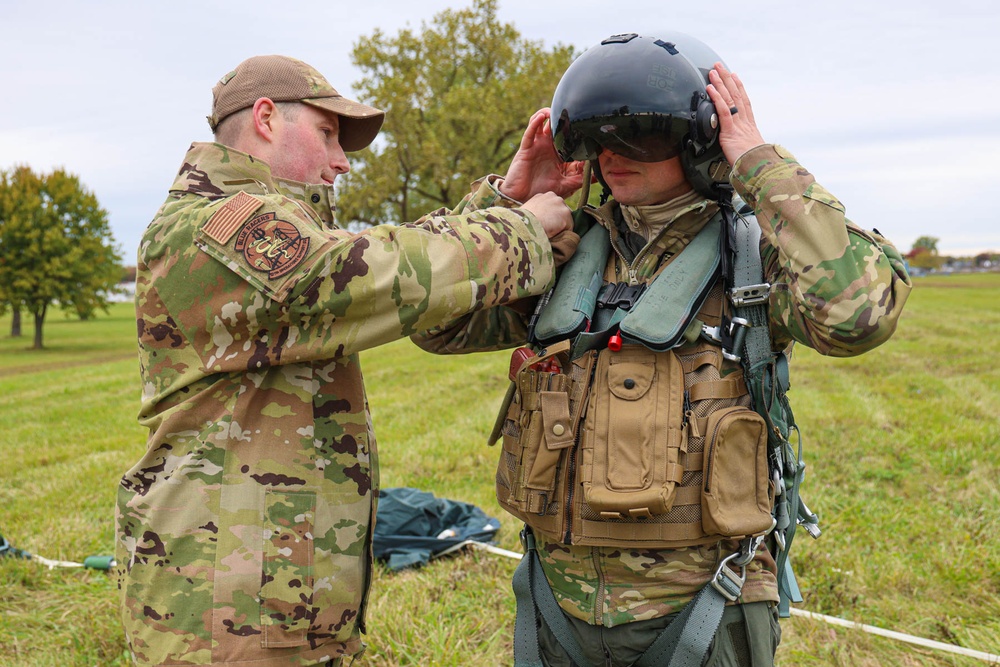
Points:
point(730, 336)
point(750, 295)
point(619, 295)
point(527, 539)
point(727, 581)
point(808, 520)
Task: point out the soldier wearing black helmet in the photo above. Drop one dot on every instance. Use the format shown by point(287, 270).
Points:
point(637, 447)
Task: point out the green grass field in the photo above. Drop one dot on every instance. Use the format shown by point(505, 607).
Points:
point(904, 471)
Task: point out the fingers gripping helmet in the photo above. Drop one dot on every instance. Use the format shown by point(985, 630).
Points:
point(644, 99)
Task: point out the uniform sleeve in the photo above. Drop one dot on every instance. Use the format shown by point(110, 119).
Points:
point(835, 287)
point(483, 330)
point(333, 293)
point(505, 326)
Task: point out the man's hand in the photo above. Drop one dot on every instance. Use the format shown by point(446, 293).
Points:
point(738, 131)
point(536, 167)
point(551, 211)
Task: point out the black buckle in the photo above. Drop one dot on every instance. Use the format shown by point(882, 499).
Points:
point(527, 539)
point(620, 295)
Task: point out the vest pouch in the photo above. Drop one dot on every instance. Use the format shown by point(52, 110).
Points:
point(539, 432)
point(633, 435)
point(737, 494)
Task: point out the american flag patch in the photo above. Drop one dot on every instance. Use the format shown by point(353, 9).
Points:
point(231, 216)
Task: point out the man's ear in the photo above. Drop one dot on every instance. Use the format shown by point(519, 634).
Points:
point(265, 115)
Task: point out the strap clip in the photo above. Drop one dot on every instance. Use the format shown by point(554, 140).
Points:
point(750, 295)
point(727, 581)
point(527, 540)
point(620, 295)
point(731, 336)
point(808, 520)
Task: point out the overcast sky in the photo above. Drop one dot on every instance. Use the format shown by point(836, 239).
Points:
point(894, 105)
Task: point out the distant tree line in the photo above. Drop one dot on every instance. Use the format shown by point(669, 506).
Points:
point(56, 248)
point(924, 255)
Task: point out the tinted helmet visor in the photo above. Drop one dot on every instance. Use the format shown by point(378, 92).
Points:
point(646, 137)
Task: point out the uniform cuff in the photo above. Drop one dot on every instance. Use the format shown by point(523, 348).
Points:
point(486, 193)
point(753, 167)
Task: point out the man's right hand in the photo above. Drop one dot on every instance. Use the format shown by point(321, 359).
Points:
point(536, 167)
point(551, 211)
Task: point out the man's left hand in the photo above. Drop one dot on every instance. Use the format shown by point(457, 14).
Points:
point(738, 131)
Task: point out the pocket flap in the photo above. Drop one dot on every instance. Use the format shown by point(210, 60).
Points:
point(555, 419)
point(630, 380)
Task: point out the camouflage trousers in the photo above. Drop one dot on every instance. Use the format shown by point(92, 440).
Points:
point(748, 636)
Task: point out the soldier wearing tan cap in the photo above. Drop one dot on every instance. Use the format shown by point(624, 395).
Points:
point(244, 532)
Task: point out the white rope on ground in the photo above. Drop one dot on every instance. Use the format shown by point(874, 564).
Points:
point(54, 563)
point(991, 658)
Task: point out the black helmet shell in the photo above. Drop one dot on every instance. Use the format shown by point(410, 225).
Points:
point(630, 94)
point(705, 167)
point(641, 97)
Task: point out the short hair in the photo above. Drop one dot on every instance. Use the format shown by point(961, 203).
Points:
point(229, 130)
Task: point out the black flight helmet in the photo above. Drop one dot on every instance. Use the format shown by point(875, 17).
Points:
point(644, 99)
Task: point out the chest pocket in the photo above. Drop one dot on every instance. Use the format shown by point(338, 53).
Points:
point(634, 434)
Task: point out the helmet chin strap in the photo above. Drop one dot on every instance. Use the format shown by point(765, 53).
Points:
point(585, 189)
point(605, 190)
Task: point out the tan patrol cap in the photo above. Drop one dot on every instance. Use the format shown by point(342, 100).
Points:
point(284, 79)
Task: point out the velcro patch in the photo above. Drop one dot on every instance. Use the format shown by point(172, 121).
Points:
point(231, 215)
point(271, 245)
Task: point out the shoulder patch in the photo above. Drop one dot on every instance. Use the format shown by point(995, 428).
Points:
point(231, 215)
point(271, 245)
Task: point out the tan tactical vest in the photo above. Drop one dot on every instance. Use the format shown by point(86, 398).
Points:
point(636, 448)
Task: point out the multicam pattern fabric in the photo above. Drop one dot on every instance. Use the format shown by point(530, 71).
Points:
point(611, 586)
point(244, 532)
point(842, 288)
point(835, 287)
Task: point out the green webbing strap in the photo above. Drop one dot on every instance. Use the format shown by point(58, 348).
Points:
point(526, 652)
point(591, 340)
point(575, 295)
point(531, 591)
point(788, 588)
point(747, 270)
point(685, 642)
point(767, 378)
point(663, 312)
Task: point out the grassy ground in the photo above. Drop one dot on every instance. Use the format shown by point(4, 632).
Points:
point(903, 455)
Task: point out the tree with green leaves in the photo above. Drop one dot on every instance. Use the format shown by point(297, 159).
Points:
point(924, 254)
point(928, 243)
point(56, 247)
point(458, 95)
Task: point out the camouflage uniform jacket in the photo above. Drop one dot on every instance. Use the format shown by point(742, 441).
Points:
point(244, 532)
point(838, 289)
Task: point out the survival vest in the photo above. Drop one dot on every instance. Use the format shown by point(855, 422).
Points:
point(646, 416)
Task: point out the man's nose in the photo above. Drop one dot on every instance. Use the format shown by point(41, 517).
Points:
point(338, 160)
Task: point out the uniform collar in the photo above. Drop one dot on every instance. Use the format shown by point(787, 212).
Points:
point(216, 171)
point(684, 223)
point(644, 258)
